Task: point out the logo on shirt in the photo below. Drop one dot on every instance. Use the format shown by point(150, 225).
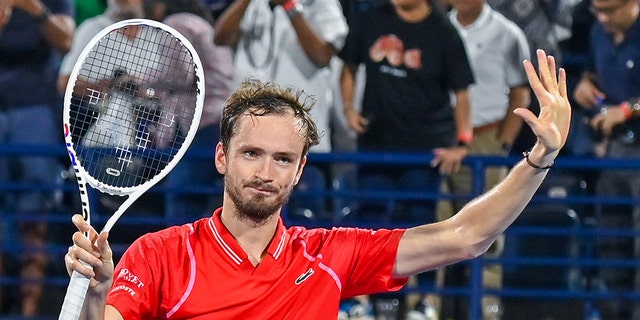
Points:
point(128, 276)
point(303, 277)
point(392, 48)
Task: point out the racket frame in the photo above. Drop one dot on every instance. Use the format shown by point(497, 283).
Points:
point(78, 285)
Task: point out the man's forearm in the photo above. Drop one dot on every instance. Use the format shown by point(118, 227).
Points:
point(227, 28)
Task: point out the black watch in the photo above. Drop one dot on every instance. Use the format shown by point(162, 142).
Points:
point(506, 147)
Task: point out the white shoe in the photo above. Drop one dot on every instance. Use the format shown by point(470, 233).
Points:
point(423, 312)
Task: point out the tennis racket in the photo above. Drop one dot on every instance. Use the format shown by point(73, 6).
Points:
point(131, 108)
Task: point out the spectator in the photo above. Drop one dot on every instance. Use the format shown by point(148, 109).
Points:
point(496, 48)
point(582, 141)
point(117, 10)
point(290, 42)
point(545, 23)
point(243, 262)
point(612, 75)
point(33, 36)
point(192, 19)
point(406, 105)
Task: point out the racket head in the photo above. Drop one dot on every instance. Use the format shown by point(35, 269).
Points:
point(131, 109)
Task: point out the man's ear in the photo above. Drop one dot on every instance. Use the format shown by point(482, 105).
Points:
point(220, 159)
point(300, 169)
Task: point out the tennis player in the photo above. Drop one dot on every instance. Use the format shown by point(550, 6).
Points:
point(243, 263)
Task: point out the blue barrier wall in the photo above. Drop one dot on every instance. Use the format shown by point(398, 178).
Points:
point(549, 257)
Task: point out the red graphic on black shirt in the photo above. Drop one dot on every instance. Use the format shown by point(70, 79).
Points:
point(391, 47)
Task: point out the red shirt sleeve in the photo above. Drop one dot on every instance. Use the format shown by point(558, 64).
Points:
point(133, 281)
point(142, 288)
point(366, 259)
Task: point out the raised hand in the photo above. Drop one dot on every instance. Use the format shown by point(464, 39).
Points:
point(551, 126)
point(94, 251)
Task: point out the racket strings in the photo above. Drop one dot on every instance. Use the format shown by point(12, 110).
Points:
point(137, 108)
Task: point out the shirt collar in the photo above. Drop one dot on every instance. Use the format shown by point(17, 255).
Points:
point(232, 248)
point(480, 22)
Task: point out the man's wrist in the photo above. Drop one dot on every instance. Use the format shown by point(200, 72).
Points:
point(629, 108)
point(293, 8)
point(348, 107)
point(506, 147)
point(464, 140)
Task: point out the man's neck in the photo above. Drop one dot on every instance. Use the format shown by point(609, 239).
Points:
point(254, 237)
point(413, 13)
point(619, 35)
point(467, 17)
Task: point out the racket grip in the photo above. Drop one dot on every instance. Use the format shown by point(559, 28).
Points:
point(74, 298)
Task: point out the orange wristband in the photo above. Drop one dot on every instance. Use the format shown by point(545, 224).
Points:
point(626, 109)
point(465, 138)
point(289, 4)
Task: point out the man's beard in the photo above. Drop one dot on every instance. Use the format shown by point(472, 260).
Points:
point(256, 208)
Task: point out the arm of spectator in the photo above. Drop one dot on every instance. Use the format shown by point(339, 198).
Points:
point(463, 116)
point(316, 48)
point(355, 120)
point(606, 121)
point(228, 24)
point(519, 97)
point(6, 9)
point(449, 159)
point(57, 28)
point(470, 232)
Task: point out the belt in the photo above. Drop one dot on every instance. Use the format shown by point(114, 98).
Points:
point(487, 127)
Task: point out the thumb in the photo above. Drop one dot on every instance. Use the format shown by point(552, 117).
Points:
point(528, 117)
point(103, 246)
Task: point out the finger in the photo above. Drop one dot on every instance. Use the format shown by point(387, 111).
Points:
point(103, 246)
point(562, 86)
point(455, 167)
point(79, 260)
point(79, 238)
point(445, 168)
point(68, 262)
point(91, 257)
point(553, 77)
point(83, 226)
point(596, 122)
point(607, 126)
point(79, 221)
point(436, 160)
point(357, 128)
point(543, 67)
point(528, 117)
point(534, 81)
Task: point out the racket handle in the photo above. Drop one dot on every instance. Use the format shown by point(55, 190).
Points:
point(74, 298)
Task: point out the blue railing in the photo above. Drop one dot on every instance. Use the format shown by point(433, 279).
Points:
point(578, 227)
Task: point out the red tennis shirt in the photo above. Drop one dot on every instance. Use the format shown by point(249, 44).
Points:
point(199, 271)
